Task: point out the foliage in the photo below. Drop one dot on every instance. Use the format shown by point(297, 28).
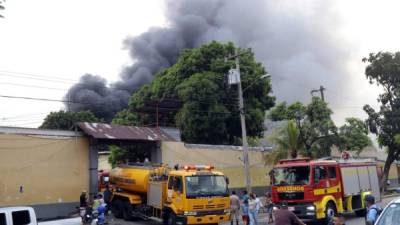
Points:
point(354, 135)
point(254, 141)
point(397, 139)
point(288, 142)
point(64, 120)
point(130, 153)
point(317, 131)
point(209, 112)
point(125, 117)
point(384, 70)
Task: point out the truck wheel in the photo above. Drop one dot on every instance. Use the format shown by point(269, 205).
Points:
point(361, 212)
point(171, 218)
point(117, 208)
point(330, 211)
point(127, 212)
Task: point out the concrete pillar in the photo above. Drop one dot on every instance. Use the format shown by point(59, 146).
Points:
point(156, 154)
point(93, 169)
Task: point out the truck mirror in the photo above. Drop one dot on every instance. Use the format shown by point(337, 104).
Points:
point(227, 180)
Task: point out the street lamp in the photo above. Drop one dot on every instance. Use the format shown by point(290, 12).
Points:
point(259, 78)
point(234, 78)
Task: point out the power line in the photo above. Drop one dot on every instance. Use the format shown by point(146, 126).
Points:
point(35, 75)
point(34, 78)
point(33, 86)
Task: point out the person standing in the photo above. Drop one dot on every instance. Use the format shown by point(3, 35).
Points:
point(245, 208)
point(285, 217)
point(269, 205)
point(235, 207)
point(83, 199)
point(373, 210)
point(254, 207)
point(107, 198)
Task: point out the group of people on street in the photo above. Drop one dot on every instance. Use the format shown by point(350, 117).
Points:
point(100, 204)
point(249, 205)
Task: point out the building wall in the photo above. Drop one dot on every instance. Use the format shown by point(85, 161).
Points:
point(42, 170)
point(225, 159)
point(103, 162)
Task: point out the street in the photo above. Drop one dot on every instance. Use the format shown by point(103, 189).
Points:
point(350, 219)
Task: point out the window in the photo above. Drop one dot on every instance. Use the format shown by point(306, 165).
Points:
point(3, 219)
point(320, 173)
point(298, 175)
point(175, 183)
point(206, 185)
point(332, 172)
point(21, 217)
point(178, 185)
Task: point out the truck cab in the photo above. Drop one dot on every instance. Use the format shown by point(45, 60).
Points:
point(318, 189)
point(197, 195)
point(17, 216)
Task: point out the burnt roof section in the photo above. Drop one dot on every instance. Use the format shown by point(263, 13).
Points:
point(118, 132)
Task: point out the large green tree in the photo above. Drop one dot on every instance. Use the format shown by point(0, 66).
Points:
point(317, 131)
point(64, 120)
point(353, 135)
point(384, 69)
point(209, 112)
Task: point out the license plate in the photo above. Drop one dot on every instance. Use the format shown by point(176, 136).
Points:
point(291, 208)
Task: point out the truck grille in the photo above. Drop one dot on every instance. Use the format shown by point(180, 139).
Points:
point(291, 195)
point(210, 206)
point(210, 212)
point(198, 207)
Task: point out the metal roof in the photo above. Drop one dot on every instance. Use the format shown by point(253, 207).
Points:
point(39, 132)
point(118, 132)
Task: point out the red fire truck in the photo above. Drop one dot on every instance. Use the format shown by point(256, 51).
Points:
point(318, 189)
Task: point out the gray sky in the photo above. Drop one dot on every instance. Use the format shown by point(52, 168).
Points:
point(56, 42)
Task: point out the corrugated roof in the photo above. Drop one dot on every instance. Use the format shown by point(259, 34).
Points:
point(118, 132)
point(39, 132)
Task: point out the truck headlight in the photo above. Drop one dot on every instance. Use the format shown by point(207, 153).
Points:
point(275, 208)
point(311, 208)
point(190, 213)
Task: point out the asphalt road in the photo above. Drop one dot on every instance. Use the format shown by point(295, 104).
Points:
point(350, 219)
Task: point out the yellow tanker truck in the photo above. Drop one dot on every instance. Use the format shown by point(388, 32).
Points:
point(186, 195)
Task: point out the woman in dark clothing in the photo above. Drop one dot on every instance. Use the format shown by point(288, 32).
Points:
point(83, 199)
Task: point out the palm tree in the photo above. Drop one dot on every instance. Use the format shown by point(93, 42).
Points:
point(288, 143)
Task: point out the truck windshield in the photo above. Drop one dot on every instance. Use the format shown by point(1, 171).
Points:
point(206, 185)
point(299, 175)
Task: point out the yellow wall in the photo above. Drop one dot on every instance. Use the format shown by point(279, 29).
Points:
point(50, 170)
point(103, 162)
point(226, 160)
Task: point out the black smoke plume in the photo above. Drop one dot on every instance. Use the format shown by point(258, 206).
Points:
point(296, 41)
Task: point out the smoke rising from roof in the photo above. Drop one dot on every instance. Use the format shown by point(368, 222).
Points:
point(296, 41)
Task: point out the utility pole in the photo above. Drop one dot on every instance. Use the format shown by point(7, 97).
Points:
point(242, 123)
point(321, 90)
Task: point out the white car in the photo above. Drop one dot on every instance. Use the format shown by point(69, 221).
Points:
point(17, 215)
point(390, 214)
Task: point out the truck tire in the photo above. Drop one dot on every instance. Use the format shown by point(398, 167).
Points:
point(117, 208)
point(360, 212)
point(330, 211)
point(127, 211)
